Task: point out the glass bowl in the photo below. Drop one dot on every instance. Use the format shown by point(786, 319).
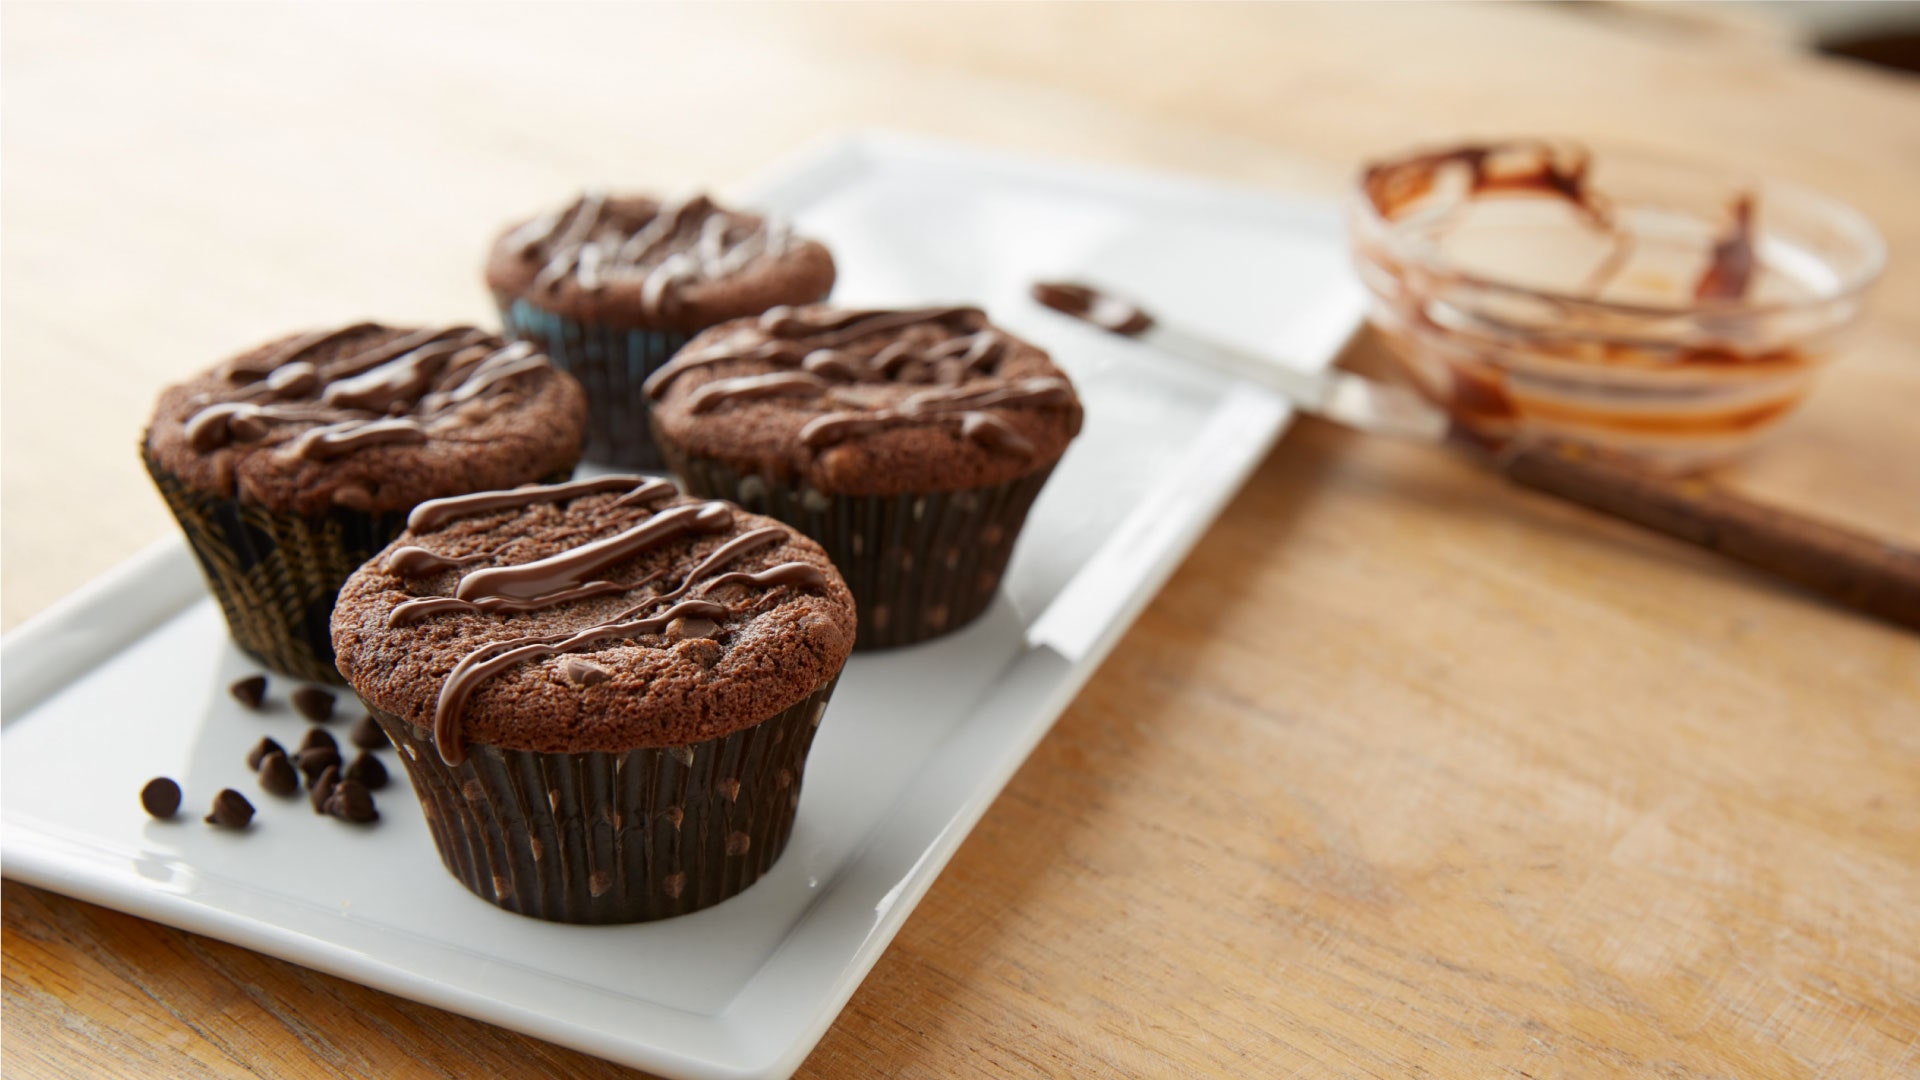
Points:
point(1673, 311)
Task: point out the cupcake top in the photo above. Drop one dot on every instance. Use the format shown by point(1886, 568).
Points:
point(867, 402)
point(370, 418)
point(638, 262)
point(598, 615)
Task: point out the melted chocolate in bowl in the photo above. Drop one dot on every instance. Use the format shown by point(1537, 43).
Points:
point(1535, 288)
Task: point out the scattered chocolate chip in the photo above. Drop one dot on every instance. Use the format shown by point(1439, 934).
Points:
point(231, 810)
point(277, 775)
point(315, 760)
point(351, 801)
point(161, 797)
point(368, 735)
point(314, 703)
point(250, 691)
point(318, 791)
point(319, 737)
point(261, 749)
point(367, 769)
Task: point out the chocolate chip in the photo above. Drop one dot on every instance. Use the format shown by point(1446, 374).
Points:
point(250, 691)
point(260, 750)
point(315, 760)
point(231, 810)
point(368, 735)
point(351, 801)
point(318, 737)
point(581, 673)
point(687, 627)
point(320, 790)
point(277, 775)
point(161, 797)
point(314, 703)
point(367, 769)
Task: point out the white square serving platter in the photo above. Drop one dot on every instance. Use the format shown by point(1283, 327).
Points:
point(127, 679)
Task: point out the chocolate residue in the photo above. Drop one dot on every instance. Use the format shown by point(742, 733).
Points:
point(1729, 272)
point(1088, 304)
point(1562, 171)
point(1558, 170)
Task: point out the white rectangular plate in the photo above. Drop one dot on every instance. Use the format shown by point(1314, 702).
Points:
point(126, 680)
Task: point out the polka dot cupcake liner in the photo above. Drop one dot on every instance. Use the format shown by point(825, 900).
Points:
point(614, 837)
point(919, 566)
point(611, 364)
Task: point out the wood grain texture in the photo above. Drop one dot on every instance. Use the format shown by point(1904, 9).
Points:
point(1408, 772)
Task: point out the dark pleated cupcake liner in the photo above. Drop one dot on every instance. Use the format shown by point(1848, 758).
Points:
point(611, 364)
point(276, 575)
point(614, 837)
point(919, 566)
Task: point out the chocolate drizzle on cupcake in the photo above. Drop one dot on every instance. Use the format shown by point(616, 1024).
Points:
point(833, 358)
point(679, 243)
point(612, 285)
point(396, 390)
point(573, 574)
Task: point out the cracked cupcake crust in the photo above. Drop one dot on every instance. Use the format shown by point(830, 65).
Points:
point(688, 681)
point(809, 394)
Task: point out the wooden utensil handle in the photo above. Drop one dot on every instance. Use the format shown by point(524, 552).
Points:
point(1859, 571)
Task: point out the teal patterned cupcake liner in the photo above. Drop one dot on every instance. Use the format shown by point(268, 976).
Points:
point(919, 565)
point(614, 837)
point(611, 364)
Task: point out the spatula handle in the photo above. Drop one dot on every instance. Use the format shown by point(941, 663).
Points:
point(1870, 575)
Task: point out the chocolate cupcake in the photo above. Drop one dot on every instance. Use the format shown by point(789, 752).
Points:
point(910, 444)
point(293, 463)
point(612, 286)
point(604, 692)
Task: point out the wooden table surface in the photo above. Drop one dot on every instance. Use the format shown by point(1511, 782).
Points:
point(1405, 774)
